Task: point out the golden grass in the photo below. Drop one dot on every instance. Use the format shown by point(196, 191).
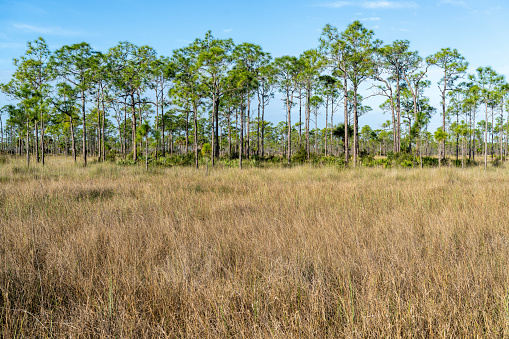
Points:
point(294, 252)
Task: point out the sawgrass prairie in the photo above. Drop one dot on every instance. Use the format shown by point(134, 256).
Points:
point(261, 252)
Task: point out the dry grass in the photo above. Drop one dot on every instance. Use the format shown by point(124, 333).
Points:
point(300, 252)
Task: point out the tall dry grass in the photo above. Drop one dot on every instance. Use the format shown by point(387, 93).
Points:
point(299, 252)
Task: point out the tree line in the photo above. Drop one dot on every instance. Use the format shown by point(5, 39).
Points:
point(210, 97)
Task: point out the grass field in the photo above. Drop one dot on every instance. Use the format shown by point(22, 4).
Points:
point(275, 252)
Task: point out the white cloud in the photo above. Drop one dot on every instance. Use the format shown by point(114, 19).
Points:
point(371, 19)
point(459, 3)
point(12, 45)
point(46, 30)
point(371, 4)
point(388, 4)
point(227, 30)
point(336, 4)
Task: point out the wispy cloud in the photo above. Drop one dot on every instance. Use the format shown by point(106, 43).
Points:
point(46, 30)
point(389, 4)
point(459, 3)
point(370, 4)
point(13, 45)
point(227, 30)
point(371, 19)
point(335, 4)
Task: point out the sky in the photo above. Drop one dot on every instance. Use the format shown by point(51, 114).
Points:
point(478, 29)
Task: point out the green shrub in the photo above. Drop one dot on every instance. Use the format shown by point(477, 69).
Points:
point(301, 156)
point(430, 162)
point(496, 162)
point(384, 162)
point(366, 159)
point(406, 163)
point(111, 156)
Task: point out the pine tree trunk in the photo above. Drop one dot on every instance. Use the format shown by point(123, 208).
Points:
point(84, 127)
point(195, 111)
point(213, 134)
point(248, 150)
point(99, 151)
point(124, 144)
point(241, 144)
point(229, 136)
point(72, 139)
point(28, 144)
point(300, 118)
point(258, 128)
point(331, 124)
point(443, 114)
point(187, 130)
point(263, 129)
point(398, 114)
point(486, 136)
point(289, 109)
point(133, 132)
point(308, 117)
point(326, 122)
point(346, 116)
point(355, 128)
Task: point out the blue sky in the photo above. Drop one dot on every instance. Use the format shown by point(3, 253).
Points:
point(478, 29)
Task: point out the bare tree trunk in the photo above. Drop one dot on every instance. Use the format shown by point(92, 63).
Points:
point(308, 117)
point(124, 144)
point(331, 124)
point(263, 129)
point(229, 135)
point(316, 131)
point(171, 140)
point(241, 145)
point(146, 152)
point(248, 126)
point(501, 134)
point(135, 144)
point(300, 117)
point(470, 137)
point(36, 127)
point(212, 137)
point(289, 109)
point(398, 115)
point(473, 137)
point(99, 151)
point(72, 139)
point(28, 144)
point(195, 111)
point(187, 130)
point(103, 129)
point(258, 146)
point(2, 144)
point(355, 127)
point(42, 136)
point(486, 136)
point(326, 121)
point(84, 128)
point(492, 131)
point(462, 154)
point(346, 116)
point(443, 113)
point(237, 146)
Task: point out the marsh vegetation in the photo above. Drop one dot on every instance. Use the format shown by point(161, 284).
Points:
point(302, 251)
